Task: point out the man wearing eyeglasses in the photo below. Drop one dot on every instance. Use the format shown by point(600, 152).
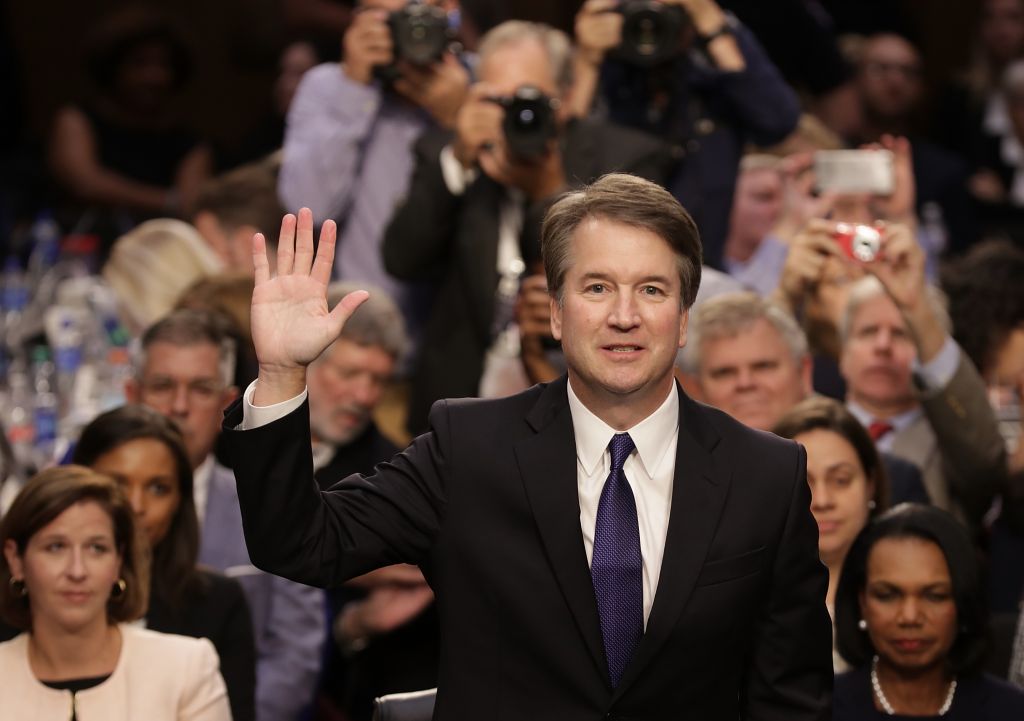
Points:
point(185, 372)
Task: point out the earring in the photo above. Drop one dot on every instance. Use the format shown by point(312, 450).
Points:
point(18, 587)
point(872, 505)
point(862, 625)
point(117, 592)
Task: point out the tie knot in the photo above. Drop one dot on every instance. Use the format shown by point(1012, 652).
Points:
point(620, 447)
point(877, 429)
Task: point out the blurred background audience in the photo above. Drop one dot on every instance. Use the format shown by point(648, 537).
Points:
point(856, 171)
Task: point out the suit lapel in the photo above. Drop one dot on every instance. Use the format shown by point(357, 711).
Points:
point(699, 491)
point(547, 463)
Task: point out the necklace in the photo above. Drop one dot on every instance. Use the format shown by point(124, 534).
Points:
point(884, 702)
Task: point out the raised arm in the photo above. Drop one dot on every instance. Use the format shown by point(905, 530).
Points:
point(291, 323)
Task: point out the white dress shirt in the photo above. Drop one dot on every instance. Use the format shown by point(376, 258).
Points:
point(649, 470)
point(201, 486)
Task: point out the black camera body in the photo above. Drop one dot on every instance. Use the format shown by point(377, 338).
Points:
point(530, 122)
point(650, 31)
point(419, 33)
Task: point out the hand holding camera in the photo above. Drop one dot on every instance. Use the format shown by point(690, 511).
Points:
point(598, 30)
point(440, 89)
point(367, 44)
point(513, 138)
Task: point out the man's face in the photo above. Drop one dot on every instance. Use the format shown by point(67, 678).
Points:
point(621, 320)
point(515, 64)
point(877, 356)
point(756, 204)
point(889, 80)
point(185, 384)
point(753, 375)
point(345, 384)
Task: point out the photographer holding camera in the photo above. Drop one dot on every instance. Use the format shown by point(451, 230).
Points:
point(350, 131)
point(690, 73)
point(474, 208)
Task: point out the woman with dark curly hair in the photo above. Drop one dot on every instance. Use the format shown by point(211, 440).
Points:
point(912, 622)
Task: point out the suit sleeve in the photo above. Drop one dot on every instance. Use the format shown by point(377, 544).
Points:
point(972, 448)
point(790, 673)
point(204, 697)
point(328, 126)
point(767, 108)
point(294, 530)
point(417, 241)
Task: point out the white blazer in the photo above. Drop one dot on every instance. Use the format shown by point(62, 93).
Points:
point(158, 677)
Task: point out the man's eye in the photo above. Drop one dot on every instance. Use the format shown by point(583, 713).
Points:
point(651, 290)
point(596, 288)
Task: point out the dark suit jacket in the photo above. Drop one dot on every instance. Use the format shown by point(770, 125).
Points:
point(452, 239)
point(216, 610)
point(487, 505)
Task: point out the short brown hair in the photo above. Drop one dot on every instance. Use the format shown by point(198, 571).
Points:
point(47, 495)
point(246, 195)
point(629, 200)
point(828, 414)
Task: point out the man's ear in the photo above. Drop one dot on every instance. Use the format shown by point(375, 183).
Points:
point(556, 318)
point(684, 322)
point(807, 375)
point(132, 392)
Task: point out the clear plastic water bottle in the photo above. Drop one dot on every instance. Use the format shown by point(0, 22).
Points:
point(46, 410)
point(20, 421)
point(45, 236)
point(14, 299)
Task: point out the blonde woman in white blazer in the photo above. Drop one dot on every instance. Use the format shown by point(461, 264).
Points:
point(73, 575)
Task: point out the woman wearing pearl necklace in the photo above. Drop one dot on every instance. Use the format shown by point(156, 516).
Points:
point(911, 621)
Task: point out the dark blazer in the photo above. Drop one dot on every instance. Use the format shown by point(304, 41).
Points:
point(453, 240)
point(486, 503)
point(980, 698)
point(216, 609)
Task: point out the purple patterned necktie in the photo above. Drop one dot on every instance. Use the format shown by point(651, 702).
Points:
point(617, 566)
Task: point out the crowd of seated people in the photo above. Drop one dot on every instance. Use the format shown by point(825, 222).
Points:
point(879, 325)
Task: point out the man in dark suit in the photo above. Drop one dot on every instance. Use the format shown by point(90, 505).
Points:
point(600, 547)
point(471, 221)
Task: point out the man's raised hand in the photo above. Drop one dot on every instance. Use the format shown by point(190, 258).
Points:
point(291, 323)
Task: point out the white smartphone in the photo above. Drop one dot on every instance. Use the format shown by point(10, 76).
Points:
point(854, 171)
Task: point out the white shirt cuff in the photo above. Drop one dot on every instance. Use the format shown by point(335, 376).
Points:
point(256, 416)
point(456, 178)
point(939, 371)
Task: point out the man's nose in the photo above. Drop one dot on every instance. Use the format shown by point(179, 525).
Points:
point(180, 400)
point(745, 379)
point(624, 311)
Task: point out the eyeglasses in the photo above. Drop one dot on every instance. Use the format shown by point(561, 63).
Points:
point(199, 392)
point(907, 70)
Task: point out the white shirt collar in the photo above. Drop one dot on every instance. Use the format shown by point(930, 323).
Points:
point(201, 485)
point(650, 436)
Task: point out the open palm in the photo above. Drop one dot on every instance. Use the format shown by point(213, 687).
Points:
point(291, 323)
